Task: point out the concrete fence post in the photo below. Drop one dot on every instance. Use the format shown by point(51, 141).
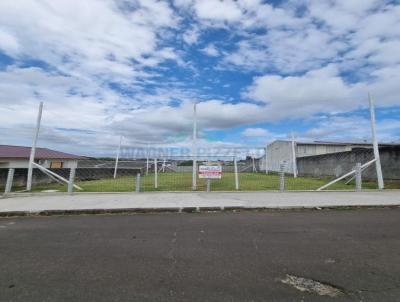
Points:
point(294, 157)
point(208, 184)
point(155, 174)
point(236, 175)
point(10, 177)
point(71, 180)
point(266, 159)
point(282, 177)
point(358, 177)
point(138, 183)
point(33, 149)
point(378, 166)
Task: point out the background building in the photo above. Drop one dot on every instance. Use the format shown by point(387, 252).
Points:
point(339, 163)
point(280, 151)
point(18, 157)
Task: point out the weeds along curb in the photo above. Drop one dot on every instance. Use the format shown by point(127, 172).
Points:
point(189, 210)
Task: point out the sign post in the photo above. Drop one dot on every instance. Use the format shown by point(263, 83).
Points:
point(210, 172)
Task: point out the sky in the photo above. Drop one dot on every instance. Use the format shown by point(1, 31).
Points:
point(258, 71)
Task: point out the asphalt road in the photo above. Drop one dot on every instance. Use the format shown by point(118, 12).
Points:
point(225, 256)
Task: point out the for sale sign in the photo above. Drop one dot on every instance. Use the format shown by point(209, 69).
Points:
point(210, 172)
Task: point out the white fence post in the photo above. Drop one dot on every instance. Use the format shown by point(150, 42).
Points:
point(194, 149)
point(236, 174)
point(155, 174)
point(54, 175)
point(117, 158)
point(282, 177)
point(358, 177)
point(294, 159)
point(381, 185)
point(10, 177)
point(364, 166)
point(33, 148)
point(71, 180)
point(266, 159)
point(208, 184)
point(138, 183)
point(147, 160)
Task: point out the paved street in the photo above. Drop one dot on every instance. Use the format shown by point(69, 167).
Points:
point(223, 256)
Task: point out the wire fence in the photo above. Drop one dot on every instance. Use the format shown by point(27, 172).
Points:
point(346, 170)
point(282, 165)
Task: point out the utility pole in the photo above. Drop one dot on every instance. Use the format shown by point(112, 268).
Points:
point(33, 148)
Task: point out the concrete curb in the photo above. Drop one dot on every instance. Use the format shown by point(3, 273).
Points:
point(183, 210)
point(31, 194)
point(114, 211)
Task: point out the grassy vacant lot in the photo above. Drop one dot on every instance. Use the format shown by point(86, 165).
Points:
point(183, 182)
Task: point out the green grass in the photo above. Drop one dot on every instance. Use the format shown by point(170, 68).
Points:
point(183, 182)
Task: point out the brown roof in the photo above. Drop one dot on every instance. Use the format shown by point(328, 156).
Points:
point(22, 152)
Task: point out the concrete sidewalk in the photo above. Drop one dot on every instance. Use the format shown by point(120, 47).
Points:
point(140, 201)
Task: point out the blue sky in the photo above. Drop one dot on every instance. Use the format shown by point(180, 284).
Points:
point(259, 70)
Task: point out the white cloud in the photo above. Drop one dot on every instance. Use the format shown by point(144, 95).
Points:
point(191, 36)
point(326, 32)
point(302, 96)
point(81, 114)
point(385, 86)
point(286, 50)
point(150, 118)
point(211, 50)
point(218, 10)
point(246, 13)
point(67, 100)
point(65, 34)
point(8, 42)
point(354, 128)
point(323, 91)
point(255, 132)
point(163, 122)
point(382, 23)
point(386, 53)
point(303, 59)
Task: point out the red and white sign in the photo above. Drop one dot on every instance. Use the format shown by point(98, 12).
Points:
point(210, 172)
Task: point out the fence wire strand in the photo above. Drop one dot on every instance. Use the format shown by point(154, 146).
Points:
point(176, 174)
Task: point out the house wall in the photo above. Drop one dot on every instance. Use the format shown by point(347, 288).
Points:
point(315, 149)
point(39, 177)
point(66, 164)
point(261, 163)
point(24, 163)
point(278, 152)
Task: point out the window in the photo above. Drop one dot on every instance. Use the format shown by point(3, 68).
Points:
point(56, 165)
